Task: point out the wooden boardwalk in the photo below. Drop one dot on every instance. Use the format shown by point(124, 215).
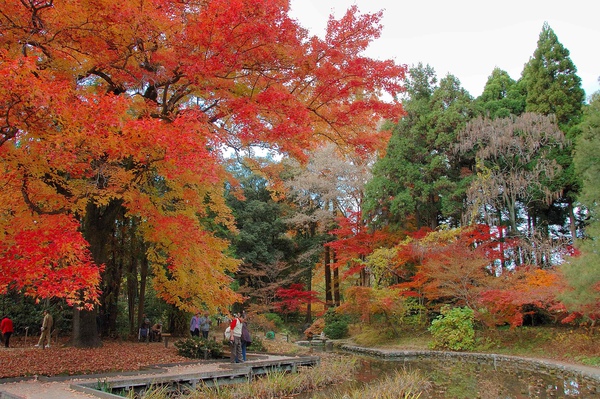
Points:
point(226, 374)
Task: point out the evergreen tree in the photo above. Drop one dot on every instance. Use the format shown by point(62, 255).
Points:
point(583, 273)
point(261, 242)
point(501, 96)
point(553, 87)
point(551, 80)
point(418, 183)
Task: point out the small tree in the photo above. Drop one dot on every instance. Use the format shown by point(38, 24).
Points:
point(453, 329)
point(294, 298)
point(336, 324)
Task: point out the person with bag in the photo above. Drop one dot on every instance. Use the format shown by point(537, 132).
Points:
point(246, 339)
point(235, 338)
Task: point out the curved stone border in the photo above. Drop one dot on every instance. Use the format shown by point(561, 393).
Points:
point(558, 369)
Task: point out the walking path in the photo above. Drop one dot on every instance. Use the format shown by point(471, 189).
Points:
point(62, 387)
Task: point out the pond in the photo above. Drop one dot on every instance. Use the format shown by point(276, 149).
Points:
point(460, 378)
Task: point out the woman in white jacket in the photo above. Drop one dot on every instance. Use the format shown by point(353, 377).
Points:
point(235, 337)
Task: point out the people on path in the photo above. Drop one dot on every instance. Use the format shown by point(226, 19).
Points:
point(205, 323)
point(195, 325)
point(235, 338)
point(7, 328)
point(246, 338)
point(47, 323)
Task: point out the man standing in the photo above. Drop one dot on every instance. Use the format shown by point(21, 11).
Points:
point(236, 339)
point(46, 329)
point(195, 325)
point(6, 326)
point(204, 325)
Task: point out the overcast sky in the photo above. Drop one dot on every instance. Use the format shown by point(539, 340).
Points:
point(469, 38)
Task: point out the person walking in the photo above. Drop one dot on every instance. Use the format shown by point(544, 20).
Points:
point(236, 339)
point(6, 326)
point(205, 323)
point(195, 325)
point(46, 329)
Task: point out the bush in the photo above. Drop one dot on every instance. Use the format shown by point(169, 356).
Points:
point(199, 348)
point(453, 329)
point(336, 325)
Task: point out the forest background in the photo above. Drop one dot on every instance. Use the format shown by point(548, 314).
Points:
point(132, 186)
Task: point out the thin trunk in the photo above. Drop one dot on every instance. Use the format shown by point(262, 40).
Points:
point(336, 283)
point(364, 275)
point(132, 287)
point(142, 294)
point(308, 318)
point(309, 271)
point(327, 269)
point(132, 277)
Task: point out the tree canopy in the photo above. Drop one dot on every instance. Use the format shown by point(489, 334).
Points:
point(127, 104)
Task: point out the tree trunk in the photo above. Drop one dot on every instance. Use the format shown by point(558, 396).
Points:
point(98, 228)
point(142, 294)
point(85, 329)
point(327, 268)
point(132, 294)
point(336, 283)
point(178, 322)
point(308, 318)
point(111, 289)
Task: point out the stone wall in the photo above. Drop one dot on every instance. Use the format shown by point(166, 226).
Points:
point(588, 375)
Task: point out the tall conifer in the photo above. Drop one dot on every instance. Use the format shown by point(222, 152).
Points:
point(553, 87)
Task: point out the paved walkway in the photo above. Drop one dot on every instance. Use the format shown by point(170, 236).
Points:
point(60, 387)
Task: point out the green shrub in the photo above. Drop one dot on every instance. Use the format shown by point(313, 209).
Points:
point(453, 329)
point(199, 348)
point(336, 324)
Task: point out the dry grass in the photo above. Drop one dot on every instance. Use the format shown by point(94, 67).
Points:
point(576, 345)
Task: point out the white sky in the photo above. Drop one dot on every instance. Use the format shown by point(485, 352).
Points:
point(468, 38)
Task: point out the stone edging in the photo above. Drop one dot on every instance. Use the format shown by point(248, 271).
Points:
point(558, 369)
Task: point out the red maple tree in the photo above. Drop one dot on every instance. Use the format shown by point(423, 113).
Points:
point(129, 104)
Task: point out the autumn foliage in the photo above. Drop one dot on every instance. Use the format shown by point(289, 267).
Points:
point(457, 267)
point(130, 104)
point(294, 298)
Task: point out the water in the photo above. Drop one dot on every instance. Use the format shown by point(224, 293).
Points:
point(461, 379)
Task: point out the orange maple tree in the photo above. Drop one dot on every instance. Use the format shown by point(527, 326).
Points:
point(132, 103)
